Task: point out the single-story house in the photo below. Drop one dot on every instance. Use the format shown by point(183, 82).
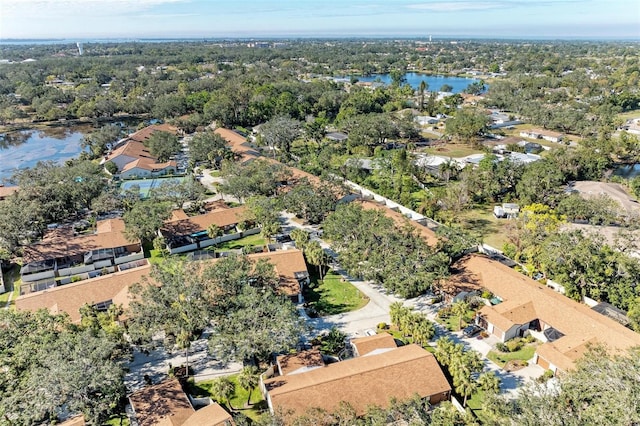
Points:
point(190, 233)
point(337, 136)
point(101, 292)
point(128, 152)
point(547, 135)
point(167, 404)
point(527, 307)
point(146, 167)
point(363, 381)
point(62, 253)
point(291, 270)
point(425, 120)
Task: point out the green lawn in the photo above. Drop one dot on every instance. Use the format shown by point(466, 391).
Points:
point(116, 419)
point(251, 240)
point(475, 402)
point(501, 358)
point(452, 322)
point(455, 150)
point(12, 284)
point(482, 223)
point(258, 406)
point(333, 295)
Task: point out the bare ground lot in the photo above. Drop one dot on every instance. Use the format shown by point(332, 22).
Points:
point(616, 191)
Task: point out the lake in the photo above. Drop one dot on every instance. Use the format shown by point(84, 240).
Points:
point(628, 171)
point(24, 148)
point(435, 82)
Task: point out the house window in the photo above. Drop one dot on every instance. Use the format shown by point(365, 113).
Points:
point(103, 306)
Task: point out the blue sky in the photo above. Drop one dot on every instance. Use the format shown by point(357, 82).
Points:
point(262, 18)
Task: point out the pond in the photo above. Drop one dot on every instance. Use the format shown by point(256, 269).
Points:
point(24, 148)
point(628, 171)
point(435, 82)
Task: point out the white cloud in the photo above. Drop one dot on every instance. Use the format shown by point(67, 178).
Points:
point(456, 6)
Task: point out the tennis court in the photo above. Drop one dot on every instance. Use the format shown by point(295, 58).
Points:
point(146, 185)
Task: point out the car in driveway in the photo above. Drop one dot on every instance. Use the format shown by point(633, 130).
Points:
point(471, 330)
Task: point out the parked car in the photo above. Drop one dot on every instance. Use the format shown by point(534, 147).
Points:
point(471, 330)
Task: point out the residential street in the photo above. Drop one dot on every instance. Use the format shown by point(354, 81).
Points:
point(356, 323)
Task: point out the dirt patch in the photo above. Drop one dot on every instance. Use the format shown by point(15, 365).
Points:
point(515, 365)
point(616, 191)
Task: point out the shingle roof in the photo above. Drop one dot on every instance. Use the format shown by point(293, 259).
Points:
point(132, 148)
point(5, 191)
point(70, 298)
point(365, 345)
point(148, 164)
point(362, 381)
point(144, 134)
point(524, 297)
point(211, 415)
point(292, 363)
point(161, 402)
point(286, 263)
point(61, 242)
point(199, 223)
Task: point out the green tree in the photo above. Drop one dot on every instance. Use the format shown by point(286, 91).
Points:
point(145, 218)
point(301, 238)
point(489, 382)
point(459, 309)
point(223, 389)
point(316, 256)
point(214, 231)
point(208, 146)
point(467, 124)
point(634, 314)
point(163, 145)
point(98, 140)
point(111, 167)
point(279, 133)
point(248, 379)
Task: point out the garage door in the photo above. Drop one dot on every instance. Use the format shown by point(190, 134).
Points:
point(543, 363)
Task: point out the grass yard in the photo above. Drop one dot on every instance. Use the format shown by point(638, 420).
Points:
point(12, 284)
point(501, 358)
point(475, 402)
point(257, 407)
point(455, 150)
point(452, 322)
point(482, 222)
point(117, 420)
point(251, 240)
point(629, 114)
point(332, 295)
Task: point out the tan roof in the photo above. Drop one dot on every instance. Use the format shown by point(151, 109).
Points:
point(211, 415)
point(564, 352)
point(523, 296)
point(287, 263)
point(235, 140)
point(165, 402)
point(132, 148)
point(178, 215)
point(148, 164)
point(193, 224)
point(401, 220)
point(362, 381)
point(70, 298)
point(365, 345)
point(5, 191)
point(509, 313)
point(61, 242)
point(144, 134)
point(298, 362)
point(75, 421)
point(543, 132)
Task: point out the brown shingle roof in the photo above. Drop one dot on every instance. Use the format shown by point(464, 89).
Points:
point(144, 134)
point(365, 345)
point(287, 263)
point(291, 363)
point(75, 421)
point(61, 242)
point(70, 298)
point(522, 296)
point(132, 148)
point(235, 140)
point(5, 191)
point(401, 220)
point(193, 224)
point(161, 402)
point(361, 382)
point(211, 415)
point(148, 164)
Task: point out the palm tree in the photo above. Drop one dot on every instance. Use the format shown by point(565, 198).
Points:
point(268, 230)
point(301, 238)
point(459, 308)
point(443, 351)
point(465, 387)
point(316, 255)
point(423, 88)
point(223, 389)
point(214, 231)
point(396, 309)
point(489, 382)
point(248, 379)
